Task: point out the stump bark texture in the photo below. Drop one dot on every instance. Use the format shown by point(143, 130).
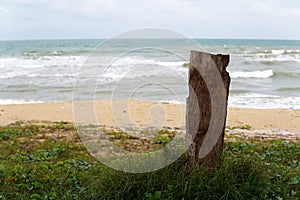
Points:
point(207, 107)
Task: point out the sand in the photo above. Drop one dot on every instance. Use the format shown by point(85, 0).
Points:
point(143, 113)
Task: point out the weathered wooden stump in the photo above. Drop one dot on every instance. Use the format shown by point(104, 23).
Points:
point(207, 107)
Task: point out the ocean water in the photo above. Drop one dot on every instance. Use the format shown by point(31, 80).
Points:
point(265, 73)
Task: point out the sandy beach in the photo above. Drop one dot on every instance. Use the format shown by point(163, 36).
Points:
point(136, 112)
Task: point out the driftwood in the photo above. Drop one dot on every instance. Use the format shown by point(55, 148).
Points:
point(207, 107)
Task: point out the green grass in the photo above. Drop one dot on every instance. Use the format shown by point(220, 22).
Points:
point(47, 161)
point(245, 126)
point(185, 64)
point(151, 141)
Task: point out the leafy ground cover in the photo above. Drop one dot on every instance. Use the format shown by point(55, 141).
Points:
point(46, 160)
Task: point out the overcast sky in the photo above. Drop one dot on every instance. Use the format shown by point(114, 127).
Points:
point(53, 19)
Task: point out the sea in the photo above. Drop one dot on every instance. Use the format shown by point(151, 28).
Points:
point(265, 73)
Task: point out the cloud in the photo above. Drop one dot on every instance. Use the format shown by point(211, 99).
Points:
point(58, 7)
point(2, 10)
point(295, 11)
point(92, 8)
point(194, 18)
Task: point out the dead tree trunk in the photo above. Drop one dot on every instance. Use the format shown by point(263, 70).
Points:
point(207, 107)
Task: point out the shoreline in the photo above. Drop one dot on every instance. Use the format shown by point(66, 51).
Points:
point(145, 113)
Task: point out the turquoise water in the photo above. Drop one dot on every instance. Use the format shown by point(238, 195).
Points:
point(265, 73)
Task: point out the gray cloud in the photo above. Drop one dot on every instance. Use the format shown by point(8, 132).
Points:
point(106, 18)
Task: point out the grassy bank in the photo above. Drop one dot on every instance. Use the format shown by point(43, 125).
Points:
point(47, 161)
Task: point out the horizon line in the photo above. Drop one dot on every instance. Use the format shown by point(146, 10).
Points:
point(193, 38)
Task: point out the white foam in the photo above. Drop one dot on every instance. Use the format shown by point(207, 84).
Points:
point(253, 74)
point(278, 51)
point(264, 101)
point(45, 61)
point(17, 102)
point(174, 101)
point(172, 64)
point(49, 61)
point(292, 51)
point(51, 75)
point(18, 74)
point(110, 76)
point(56, 53)
point(12, 75)
point(137, 67)
point(134, 60)
point(280, 58)
point(274, 56)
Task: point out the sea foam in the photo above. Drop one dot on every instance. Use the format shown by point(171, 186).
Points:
point(45, 61)
point(277, 52)
point(17, 102)
point(263, 101)
point(253, 74)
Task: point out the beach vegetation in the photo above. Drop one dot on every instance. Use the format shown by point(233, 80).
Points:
point(243, 126)
point(46, 160)
point(185, 64)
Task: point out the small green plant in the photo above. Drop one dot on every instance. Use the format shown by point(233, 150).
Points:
point(161, 140)
point(244, 126)
point(185, 64)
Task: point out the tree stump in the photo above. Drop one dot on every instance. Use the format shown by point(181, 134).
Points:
point(207, 107)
